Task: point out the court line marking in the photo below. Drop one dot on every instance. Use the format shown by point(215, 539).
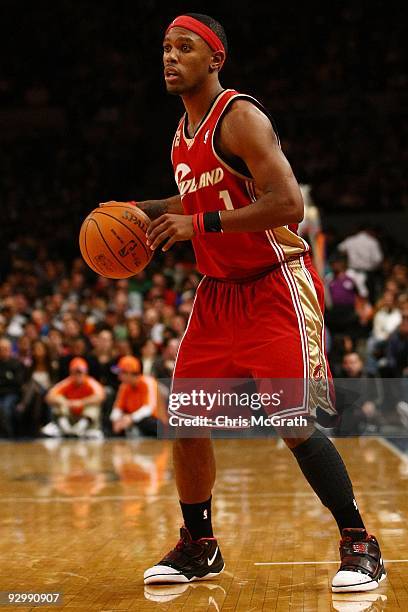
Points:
point(394, 449)
point(120, 498)
point(321, 562)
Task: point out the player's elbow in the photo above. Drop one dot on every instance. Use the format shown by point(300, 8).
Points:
point(295, 210)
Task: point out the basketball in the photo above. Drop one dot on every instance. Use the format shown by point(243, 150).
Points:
point(112, 240)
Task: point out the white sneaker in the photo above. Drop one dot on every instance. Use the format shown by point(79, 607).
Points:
point(51, 430)
point(94, 434)
point(362, 567)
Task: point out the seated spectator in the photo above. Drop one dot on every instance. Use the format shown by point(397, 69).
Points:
point(397, 348)
point(41, 375)
point(102, 358)
point(77, 348)
point(76, 404)
point(358, 398)
point(397, 365)
point(386, 319)
point(135, 406)
point(148, 356)
point(102, 361)
point(24, 351)
point(342, 294)
point(163, 365)
point(12, 374)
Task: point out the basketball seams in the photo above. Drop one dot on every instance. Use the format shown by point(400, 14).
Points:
point(131, 207)
point(110, 250)
point(94, 267)
point(148, 252)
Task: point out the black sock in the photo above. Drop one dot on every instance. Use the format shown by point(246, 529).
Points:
point(326, 473)
point(197, 519)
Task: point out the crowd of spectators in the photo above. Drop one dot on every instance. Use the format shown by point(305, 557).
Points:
point(84, 118)
point(53, 312)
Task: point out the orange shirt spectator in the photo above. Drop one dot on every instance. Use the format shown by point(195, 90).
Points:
point(79, 389)
point(131, 398)
point(137, 396)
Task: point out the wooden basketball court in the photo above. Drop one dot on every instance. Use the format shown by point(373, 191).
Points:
point(86, 518)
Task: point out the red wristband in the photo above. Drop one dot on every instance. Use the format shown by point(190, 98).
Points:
point(132, 202)
point(196, 228)
point(200, 222)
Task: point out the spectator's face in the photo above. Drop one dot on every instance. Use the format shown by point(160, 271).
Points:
point(55, 338)
point(404, 323)
point(168, 311)
point(129, 378)
point(159, 280)
point(121, 302)
point(151, 317)
point(31, 331)
point(172, 348)
point(78, 376)
point(338, 266)
point(111, 318)
point(178, 324)
point(352, 364)
point(20, 303)
point(77, 281)
point(123, 348)
point(71, 328)
point(57, 300)
point(388, 299)
point(24, 345)
point(149, 349)
point(400, 275)
point(39, 350)
point(50, 270)
point(105, 341)
point(78, 347)
point(5, 349)
point(391, 286)
point(134, 328)
point(38, 317)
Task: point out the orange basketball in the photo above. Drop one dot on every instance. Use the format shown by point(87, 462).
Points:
point(113, 240)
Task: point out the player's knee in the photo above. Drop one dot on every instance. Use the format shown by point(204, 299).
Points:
point(295, 436)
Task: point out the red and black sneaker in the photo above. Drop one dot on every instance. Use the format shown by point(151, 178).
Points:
point(361, 567)
point(189, 560)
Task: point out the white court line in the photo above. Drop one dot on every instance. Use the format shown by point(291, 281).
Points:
point(147, 497)
point(401, 456)
point(322, 562)
point(394, 449)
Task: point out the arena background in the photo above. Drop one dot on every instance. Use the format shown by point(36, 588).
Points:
point(84, 118)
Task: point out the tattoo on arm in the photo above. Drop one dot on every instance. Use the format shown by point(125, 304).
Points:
point(156, 208)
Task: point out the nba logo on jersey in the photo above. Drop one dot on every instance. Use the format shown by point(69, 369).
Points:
point(177, 138)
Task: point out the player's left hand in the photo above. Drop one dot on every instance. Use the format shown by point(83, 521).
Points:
point(171, 228)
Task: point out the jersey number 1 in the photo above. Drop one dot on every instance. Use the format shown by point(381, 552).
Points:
point(226, 198)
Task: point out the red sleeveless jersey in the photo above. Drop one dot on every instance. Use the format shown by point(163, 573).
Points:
point(208, 183)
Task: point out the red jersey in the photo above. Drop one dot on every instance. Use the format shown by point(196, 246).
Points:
point(207, 183)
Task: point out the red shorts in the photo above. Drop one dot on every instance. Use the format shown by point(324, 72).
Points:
point(267, 328)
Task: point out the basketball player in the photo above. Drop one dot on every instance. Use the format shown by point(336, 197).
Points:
point(240, 204)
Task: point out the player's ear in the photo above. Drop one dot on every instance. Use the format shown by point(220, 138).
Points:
point(217, 61)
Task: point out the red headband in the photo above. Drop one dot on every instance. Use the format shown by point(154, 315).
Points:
point(212, 40)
